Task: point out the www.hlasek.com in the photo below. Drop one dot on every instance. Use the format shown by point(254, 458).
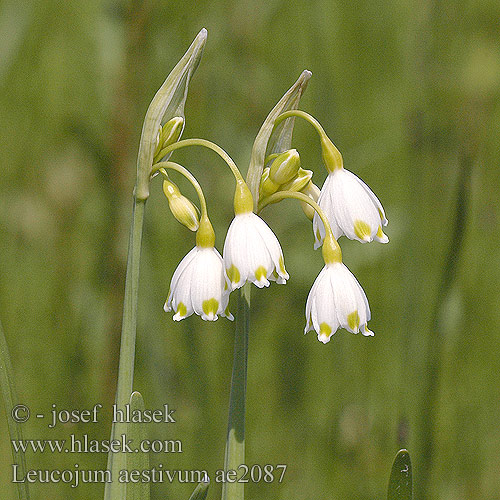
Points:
point(76, 476)
point(87, 445)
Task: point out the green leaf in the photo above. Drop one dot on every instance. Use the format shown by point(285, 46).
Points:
point(268, 141)
point(10, 400)
point(137, 432)
point(400, 482)
point(200, 492)
point(168, 102)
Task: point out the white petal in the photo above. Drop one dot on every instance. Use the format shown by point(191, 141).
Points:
point(383, 239)
point(183, 265)
point(320, 306)
point(353, 203)
point(349, 203)
point(251, 246)
point(275, 254)
point(326, 203)
point(344, 290)
point(232, 248)
point(182, 295)
point(180, 286)
point(335, 298)
point(326, 303)
point(374, 198)
point(366, 332)
point(207, 281)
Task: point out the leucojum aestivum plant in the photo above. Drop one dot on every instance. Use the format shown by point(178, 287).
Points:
point(204, 279)
point(252, 254)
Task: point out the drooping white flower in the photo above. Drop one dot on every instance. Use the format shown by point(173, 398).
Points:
point(352, 209)
point(199, 285)
point(252, 252)
point(336, 300)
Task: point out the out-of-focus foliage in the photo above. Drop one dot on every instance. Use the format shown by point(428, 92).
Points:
point(408, 91)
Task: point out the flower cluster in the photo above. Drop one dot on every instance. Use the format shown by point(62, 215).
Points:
point(345, 206)
point(203, 280)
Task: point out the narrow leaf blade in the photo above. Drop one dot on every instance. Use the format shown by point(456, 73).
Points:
point(400, 482)
point(201, 491)
point(137, 432)
point(10, 400)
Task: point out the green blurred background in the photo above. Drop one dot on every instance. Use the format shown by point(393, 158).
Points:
point(409, 92)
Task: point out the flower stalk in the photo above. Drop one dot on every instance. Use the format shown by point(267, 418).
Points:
point(332, 157)
point(167, 104)
point(235, 442)
point(117, 461)
point(332, 249)
point(203, 143)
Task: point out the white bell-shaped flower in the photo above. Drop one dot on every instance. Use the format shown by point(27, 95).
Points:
point(352, 209)
point(336, 300)
point(252, 252)
point(199, 285)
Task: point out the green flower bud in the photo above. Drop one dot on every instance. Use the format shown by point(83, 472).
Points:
point(170, 133)
point(285, 167)
point(299, 182)
point(182, 208)
point(312, 191)
point(267, 186)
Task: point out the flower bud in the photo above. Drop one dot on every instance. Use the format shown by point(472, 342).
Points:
point(312, 191)
point(299, 182)
point(171, 131)
point(168, 134)
point(182, 208)
point(267, 186)
point(285, 167)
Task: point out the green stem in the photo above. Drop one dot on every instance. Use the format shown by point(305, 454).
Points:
point(117, 461)
point(10, 400)
point(331, 155)
point(301, 114)
point(282, 195)
point(203, 143)
point(235, 443)
point(332, 245)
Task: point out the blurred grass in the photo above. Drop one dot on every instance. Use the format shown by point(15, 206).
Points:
point(406, 90)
